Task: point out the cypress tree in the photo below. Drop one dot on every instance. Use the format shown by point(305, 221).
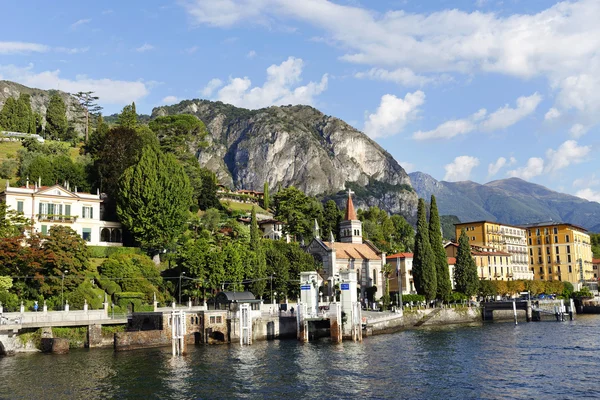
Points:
point(266, 200)
point(254, 231)
point(128, 117)
point(465, 270)
point(56, 117)
point(444, 286)
point(424, 272)
point(8, 114)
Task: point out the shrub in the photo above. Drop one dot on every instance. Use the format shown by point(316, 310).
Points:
point(106, 251)
point(415, 298)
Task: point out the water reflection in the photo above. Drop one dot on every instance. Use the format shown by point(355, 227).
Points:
point(535, 360)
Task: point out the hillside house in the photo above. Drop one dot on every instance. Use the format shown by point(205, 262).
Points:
point(48, 206)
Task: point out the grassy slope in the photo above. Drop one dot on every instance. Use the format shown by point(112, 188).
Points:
point(235, 206)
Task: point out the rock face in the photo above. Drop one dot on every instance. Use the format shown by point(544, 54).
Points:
point(512, 201)
point(39, 102)
point(296, 145)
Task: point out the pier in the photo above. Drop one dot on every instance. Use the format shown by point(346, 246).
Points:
point(535, 310)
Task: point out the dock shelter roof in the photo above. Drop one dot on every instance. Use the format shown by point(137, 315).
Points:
point(236, 297)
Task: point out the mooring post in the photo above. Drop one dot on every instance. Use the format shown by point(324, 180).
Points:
point(515, 310)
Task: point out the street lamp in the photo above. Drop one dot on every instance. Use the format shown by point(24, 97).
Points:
point(180, 275)
point(62, 289)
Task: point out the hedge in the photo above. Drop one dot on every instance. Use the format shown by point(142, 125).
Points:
point(107, 251)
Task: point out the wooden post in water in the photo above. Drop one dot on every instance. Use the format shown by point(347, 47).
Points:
point(515, 310)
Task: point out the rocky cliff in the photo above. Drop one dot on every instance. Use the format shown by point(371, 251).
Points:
point(41, 98)
point(300, 146)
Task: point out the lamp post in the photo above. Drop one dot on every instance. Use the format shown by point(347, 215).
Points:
point(62, 289)
point(180, 276)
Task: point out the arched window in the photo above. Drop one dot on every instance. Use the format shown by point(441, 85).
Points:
point(105, 235)
point(117, 236)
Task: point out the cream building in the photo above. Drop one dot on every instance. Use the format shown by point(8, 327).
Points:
point(57, 205)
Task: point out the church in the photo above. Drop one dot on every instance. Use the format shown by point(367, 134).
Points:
point(350, 253)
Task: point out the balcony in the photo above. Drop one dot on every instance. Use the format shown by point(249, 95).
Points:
point(69, 219)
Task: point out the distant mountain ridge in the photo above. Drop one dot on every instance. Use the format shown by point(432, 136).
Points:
point(511, 201)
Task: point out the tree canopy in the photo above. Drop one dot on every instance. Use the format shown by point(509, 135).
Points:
point(424, 269)
point(465, 271)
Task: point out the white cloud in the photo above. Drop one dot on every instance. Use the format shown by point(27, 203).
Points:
point(577, 131)
point(109, 91)
point(567, 153)
point(408, 167)
point(452, 128)
point(559, 43)
point(192, 50)
point(401, 76)
point(586, 181)
point(393, 114)
point(80, 22)
point(534, 167)
point(589, 194)
point(145, 47)
point(506, 116)
point(280, 88)
point(494, 168)
point(169, 100)
point(211, 86)
point(251, 54)
point(106, 12)
point(71, 50)
point(552, 113)
point(22, 48)
point(460, 169)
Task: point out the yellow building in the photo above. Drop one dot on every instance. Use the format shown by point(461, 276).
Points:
point(491, 264)
point(560, 251)
point(490, 236)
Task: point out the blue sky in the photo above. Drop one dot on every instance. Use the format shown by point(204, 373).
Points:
point(472, 89)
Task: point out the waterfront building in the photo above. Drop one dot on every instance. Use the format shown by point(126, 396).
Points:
point(402, 274)
point(501, 238)
point(48, 206)
point(491, 264)
point(352, 252)
point(560, 251)
point(595, 266)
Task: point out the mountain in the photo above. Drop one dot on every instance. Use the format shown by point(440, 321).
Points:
point(512, 201)
point(41, 98)
point(300, 146)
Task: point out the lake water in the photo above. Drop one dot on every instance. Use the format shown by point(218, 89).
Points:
point(537, 360)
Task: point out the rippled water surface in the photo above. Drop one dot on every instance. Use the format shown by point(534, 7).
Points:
point(535, 360)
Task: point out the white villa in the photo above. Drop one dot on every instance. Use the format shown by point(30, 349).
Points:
point(48, 206)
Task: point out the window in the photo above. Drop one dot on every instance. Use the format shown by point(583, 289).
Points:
point(530, 241)
point(530, 252)
point(539, 260)
point(547, 250)
point(374, 277)
point(87, 212)
point(558, 268)
point(68, 210)
point(570, 269)
point(212, 319)
point(568, 258)
point(541, 270)
point(555, 239)
point(537, 232)
point(555, 230)
point(549, 270)
point(20, 207)
point(539, 240)
point(86, 234)
point(545, 231)
point(567, 238)
point(557, 250)
point(44, 229)
point(549, 260)
point(558, 259)
point(531, 260)
point(568, 249)
point(529, 232)
point(219, 319)
point(539, 251)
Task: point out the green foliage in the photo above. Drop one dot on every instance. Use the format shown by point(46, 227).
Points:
point(179, 134)
point(34, 337)
point(6, 283)
point(56, 118)
point(97, 137)
point(85, 292)
point(17, 116)
point(424, 269)
point(133, 273)
point(154, 198)
point(390, 234)
point(10, 301)
point(583, 293)
point(128, 117)
point(595, 241)
point(447, 222)
point(442, 272)
point(332, 216)
point(297, 211)
point(465, 271)
point(77, 336)
point(106, 251)
point(12, 223)
point(207, 197)
point(266, 198)
point(412, 298)
point(255, 234)
point(109, 330)
point(8, 169)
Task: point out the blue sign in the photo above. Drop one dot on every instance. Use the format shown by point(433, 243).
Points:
point(305, 287)
point(345, 286)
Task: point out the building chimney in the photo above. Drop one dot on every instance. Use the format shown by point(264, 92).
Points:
point(39, 181)
point(27, 183)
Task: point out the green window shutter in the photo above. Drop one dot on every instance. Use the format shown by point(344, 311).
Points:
point(44, 229)
point(19, 206)
point(41, 209)
point(68, 210)
point(91, 212)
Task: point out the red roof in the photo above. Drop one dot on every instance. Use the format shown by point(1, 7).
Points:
point(596, 261)
point(451, 260)
point(399, 255)
point(350, 213)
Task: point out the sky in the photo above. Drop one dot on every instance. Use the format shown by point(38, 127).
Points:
point(462, 90)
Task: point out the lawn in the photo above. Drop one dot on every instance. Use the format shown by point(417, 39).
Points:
point(247, 207)
point(9, 150)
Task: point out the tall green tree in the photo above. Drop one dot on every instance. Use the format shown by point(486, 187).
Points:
point(465, 271)
point(207, 196)
point(424, 272)
point(154, 198)
point(128, 117)
point(56, 118)
point(255, 235)
point(88, 102)
point(332, 217)
point(8, 115)
point(266, 199)
point(25, 120)
point(297, 211)
point(444, 286)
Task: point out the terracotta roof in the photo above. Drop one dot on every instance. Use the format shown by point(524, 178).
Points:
point(596, 261)
point(399, 255)
point(350, 213)
point(451, 260)
point(490, 253)
point(357, 251)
